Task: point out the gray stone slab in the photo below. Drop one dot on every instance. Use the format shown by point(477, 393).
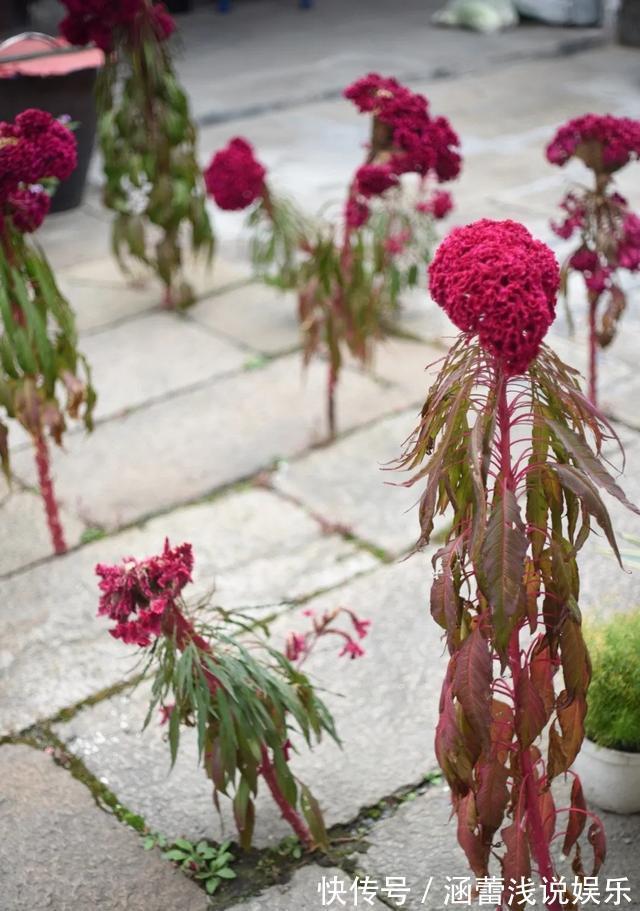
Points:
point(348, 483)
point(304, 892)
point(384, 704)
point(24, 535)
point(254, 549)
point(256, 315)
point(190, 445)
point(419, 842)
point(152, 356)
point(101, 294)
point(59, 851)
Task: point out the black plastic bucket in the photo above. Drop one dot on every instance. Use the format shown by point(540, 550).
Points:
point(70, 93)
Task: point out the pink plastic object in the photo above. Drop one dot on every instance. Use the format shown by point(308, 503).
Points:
point(35, 54)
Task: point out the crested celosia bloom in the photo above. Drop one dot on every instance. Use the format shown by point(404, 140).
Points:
point(602, 141)
point(373, 179)
point(420, 143)
point(95, 21)
point(495, 281)
point(235, 178)
point(136, 594)
point(33, 148)
point(439, 205)
point(356, 213)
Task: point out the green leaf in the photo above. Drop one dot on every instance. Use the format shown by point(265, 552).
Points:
point(174, 735)
point(226, 873)
point(211, 885)
point(579, 484)
point(589, 463)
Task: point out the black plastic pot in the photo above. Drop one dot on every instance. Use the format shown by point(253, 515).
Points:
point(69, 93)
point(179, 6)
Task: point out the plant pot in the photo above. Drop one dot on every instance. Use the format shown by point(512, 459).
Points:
point(610, 778)
point(179, 6)
point(34, 82)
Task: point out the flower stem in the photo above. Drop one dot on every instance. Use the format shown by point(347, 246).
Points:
point(289, 813)
point(332, 380)
point(593, 350)
point(48, 494)
point(535, 828)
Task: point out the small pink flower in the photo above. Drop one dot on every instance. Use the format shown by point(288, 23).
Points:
point(165, 712)
point(296, 646)
point(352, 649)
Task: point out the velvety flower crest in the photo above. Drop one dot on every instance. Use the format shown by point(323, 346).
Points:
point(34, 148)
point(235, 178)
point(494, 280)
point(97, 21)
point(135, 594)
point(605, 143)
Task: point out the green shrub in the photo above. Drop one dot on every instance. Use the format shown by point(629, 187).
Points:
point(613, 716)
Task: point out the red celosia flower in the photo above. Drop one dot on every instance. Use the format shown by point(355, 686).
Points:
point(143, 590)
point(421, 143)
point(495, 281)
point(94, 21)
point(439, 205)
point(162, 21)
point(373, 179)
point(396, 243)
point(235, 178)
point(33, 148)
point(603, 141)
point(574, 220)
point(356, 213)
point(28, 207)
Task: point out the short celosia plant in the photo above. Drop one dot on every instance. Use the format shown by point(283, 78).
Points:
point(509, 447)
point(246, 699)
point(153, 182)
point(349, 273)
point(608, 231)
point(39, 360)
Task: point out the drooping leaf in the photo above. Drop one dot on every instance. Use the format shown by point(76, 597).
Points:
point(472, 682)
point(502, 557)
point(470, 835)
point(575, 480)
point(493, 794)
point(577, 817)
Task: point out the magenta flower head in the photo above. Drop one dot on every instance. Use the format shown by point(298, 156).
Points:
point(94, 21)
point(603, 142)
point(136, 594)
point(235, 178)
point(495, 281)
point(374, 179)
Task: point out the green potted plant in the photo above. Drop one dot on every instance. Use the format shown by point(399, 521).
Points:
point(609, 763)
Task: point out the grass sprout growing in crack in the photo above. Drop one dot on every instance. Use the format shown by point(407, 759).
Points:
point(207, 863)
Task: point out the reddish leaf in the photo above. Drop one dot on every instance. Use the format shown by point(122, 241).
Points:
point(589, 463)
point(450, 746)
point(501, 729)
point(578, 483)
point(445, 601)
point(493, 795)
point(470, 836)
point(548, 814)
point(472, 683)
point(565, 743)
point(577, 817)
point(576, 666)
point(516, 861)
point(541, 670)
point(531, 585)
point(598, 842)
point(531, 715)
point(502, 558)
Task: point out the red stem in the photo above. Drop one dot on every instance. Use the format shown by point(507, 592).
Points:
point(48, 494)
point(538, 842)
point(331, 401)
point(288, 812)
point(593, 350)
point(177, 625)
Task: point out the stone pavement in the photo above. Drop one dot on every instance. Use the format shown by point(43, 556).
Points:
point(194, 410)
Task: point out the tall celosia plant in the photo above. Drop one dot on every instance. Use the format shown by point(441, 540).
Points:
point(609, 232)
point(510, 448)
point(38, 343)
point(245, 698)
point(147, 138)
point(349, 274)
